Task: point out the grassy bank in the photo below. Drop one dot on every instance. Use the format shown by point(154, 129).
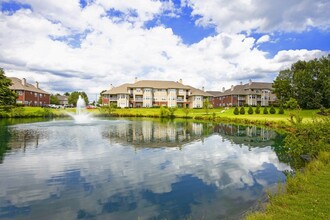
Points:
point(307, 194)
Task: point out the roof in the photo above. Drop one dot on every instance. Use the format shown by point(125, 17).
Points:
point(18, 85)
point(155, 84)
point(158, 84)
point(122, 89)
point(199, 92)
point(247, 89)
point(215, 93)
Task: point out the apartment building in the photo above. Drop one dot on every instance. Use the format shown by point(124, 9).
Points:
point(28, 94)
point(149, 93)
point(252, 94)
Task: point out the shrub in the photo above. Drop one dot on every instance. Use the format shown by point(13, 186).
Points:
point(281, 110)
point(265, 111)
point(236, 112)
point(242, 110)
point(164, 112)
point(257, 110)
point(250, 111)
point(272, 110)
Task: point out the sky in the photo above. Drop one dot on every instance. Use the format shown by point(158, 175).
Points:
point(87, 45)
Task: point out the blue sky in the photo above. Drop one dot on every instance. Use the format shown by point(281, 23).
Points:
point(66, 45)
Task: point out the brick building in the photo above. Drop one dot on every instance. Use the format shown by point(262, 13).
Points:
point(28, 94)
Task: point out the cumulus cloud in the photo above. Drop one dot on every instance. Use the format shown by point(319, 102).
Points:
point(68, 47)
point(260, 15)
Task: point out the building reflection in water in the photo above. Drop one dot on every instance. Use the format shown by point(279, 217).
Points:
point(177, 134)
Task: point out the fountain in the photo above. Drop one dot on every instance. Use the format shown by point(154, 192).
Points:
point(81, 116)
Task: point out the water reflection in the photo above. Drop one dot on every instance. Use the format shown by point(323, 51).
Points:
point(135, 169)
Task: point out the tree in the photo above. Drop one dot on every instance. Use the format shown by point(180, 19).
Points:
point(7, 96)
point(242, 110)
point(250, 111)
point(54, 99)
point(186, 111)
point(257, 109)
point(291, 104)
point(207, 105)
point(236, 111)
point(283, 86)
point(306, 81)
point(66, 94)
point(265, 111)
point(281, 110)
point(272, 110)
point(99, 101)
point(73, 97)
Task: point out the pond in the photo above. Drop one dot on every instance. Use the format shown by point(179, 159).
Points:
point(135, 169)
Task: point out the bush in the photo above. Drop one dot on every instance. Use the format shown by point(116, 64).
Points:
point(265, 111)
point(272, 110)
point(250, 111)
point(242, 110)
point(236, 112)
point(257, 110)
point(281, 110)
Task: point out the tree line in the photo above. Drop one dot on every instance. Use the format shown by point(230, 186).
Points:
point(308, 82)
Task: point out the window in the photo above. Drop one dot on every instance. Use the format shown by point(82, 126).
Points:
point(138, 90)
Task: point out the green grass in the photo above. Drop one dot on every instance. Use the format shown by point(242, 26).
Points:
point(307, 194)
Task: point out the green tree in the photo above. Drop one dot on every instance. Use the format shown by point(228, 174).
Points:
point(291, 104)
point(242, 110)
point(207, 105)
point(236, 111)
point(257, 109)
point(73, 97)
point(272, 110)
point(66, 94)
point(186, 111)
point(265, 110)
point(99, 101)
point(283, 86)
point(250, 111)
point(7, 97)
point(306, 81)
point(171, 111)
point(54, 99)
point(281, 110)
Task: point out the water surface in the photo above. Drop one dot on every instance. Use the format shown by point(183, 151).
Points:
point(135, 169)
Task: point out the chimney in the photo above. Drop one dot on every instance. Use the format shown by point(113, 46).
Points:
point(180, 81)
point(250, 82)
point(111, 86)
point(232, 88)
point(37, 85)
point(203, 88)
point(135, 80)
point(241, 83)
point(24, 82)
point(223, 89)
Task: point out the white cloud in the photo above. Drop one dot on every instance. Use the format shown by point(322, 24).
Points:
point(69, 48)
point(262, 15)
point(263, 39)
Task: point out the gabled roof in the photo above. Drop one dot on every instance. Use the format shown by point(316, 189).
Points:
point(259, 85)
point(199, 92)
point(158, 84)
point(122, 89)
point(17, 84)
point(246, 89)
point(215, 93)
